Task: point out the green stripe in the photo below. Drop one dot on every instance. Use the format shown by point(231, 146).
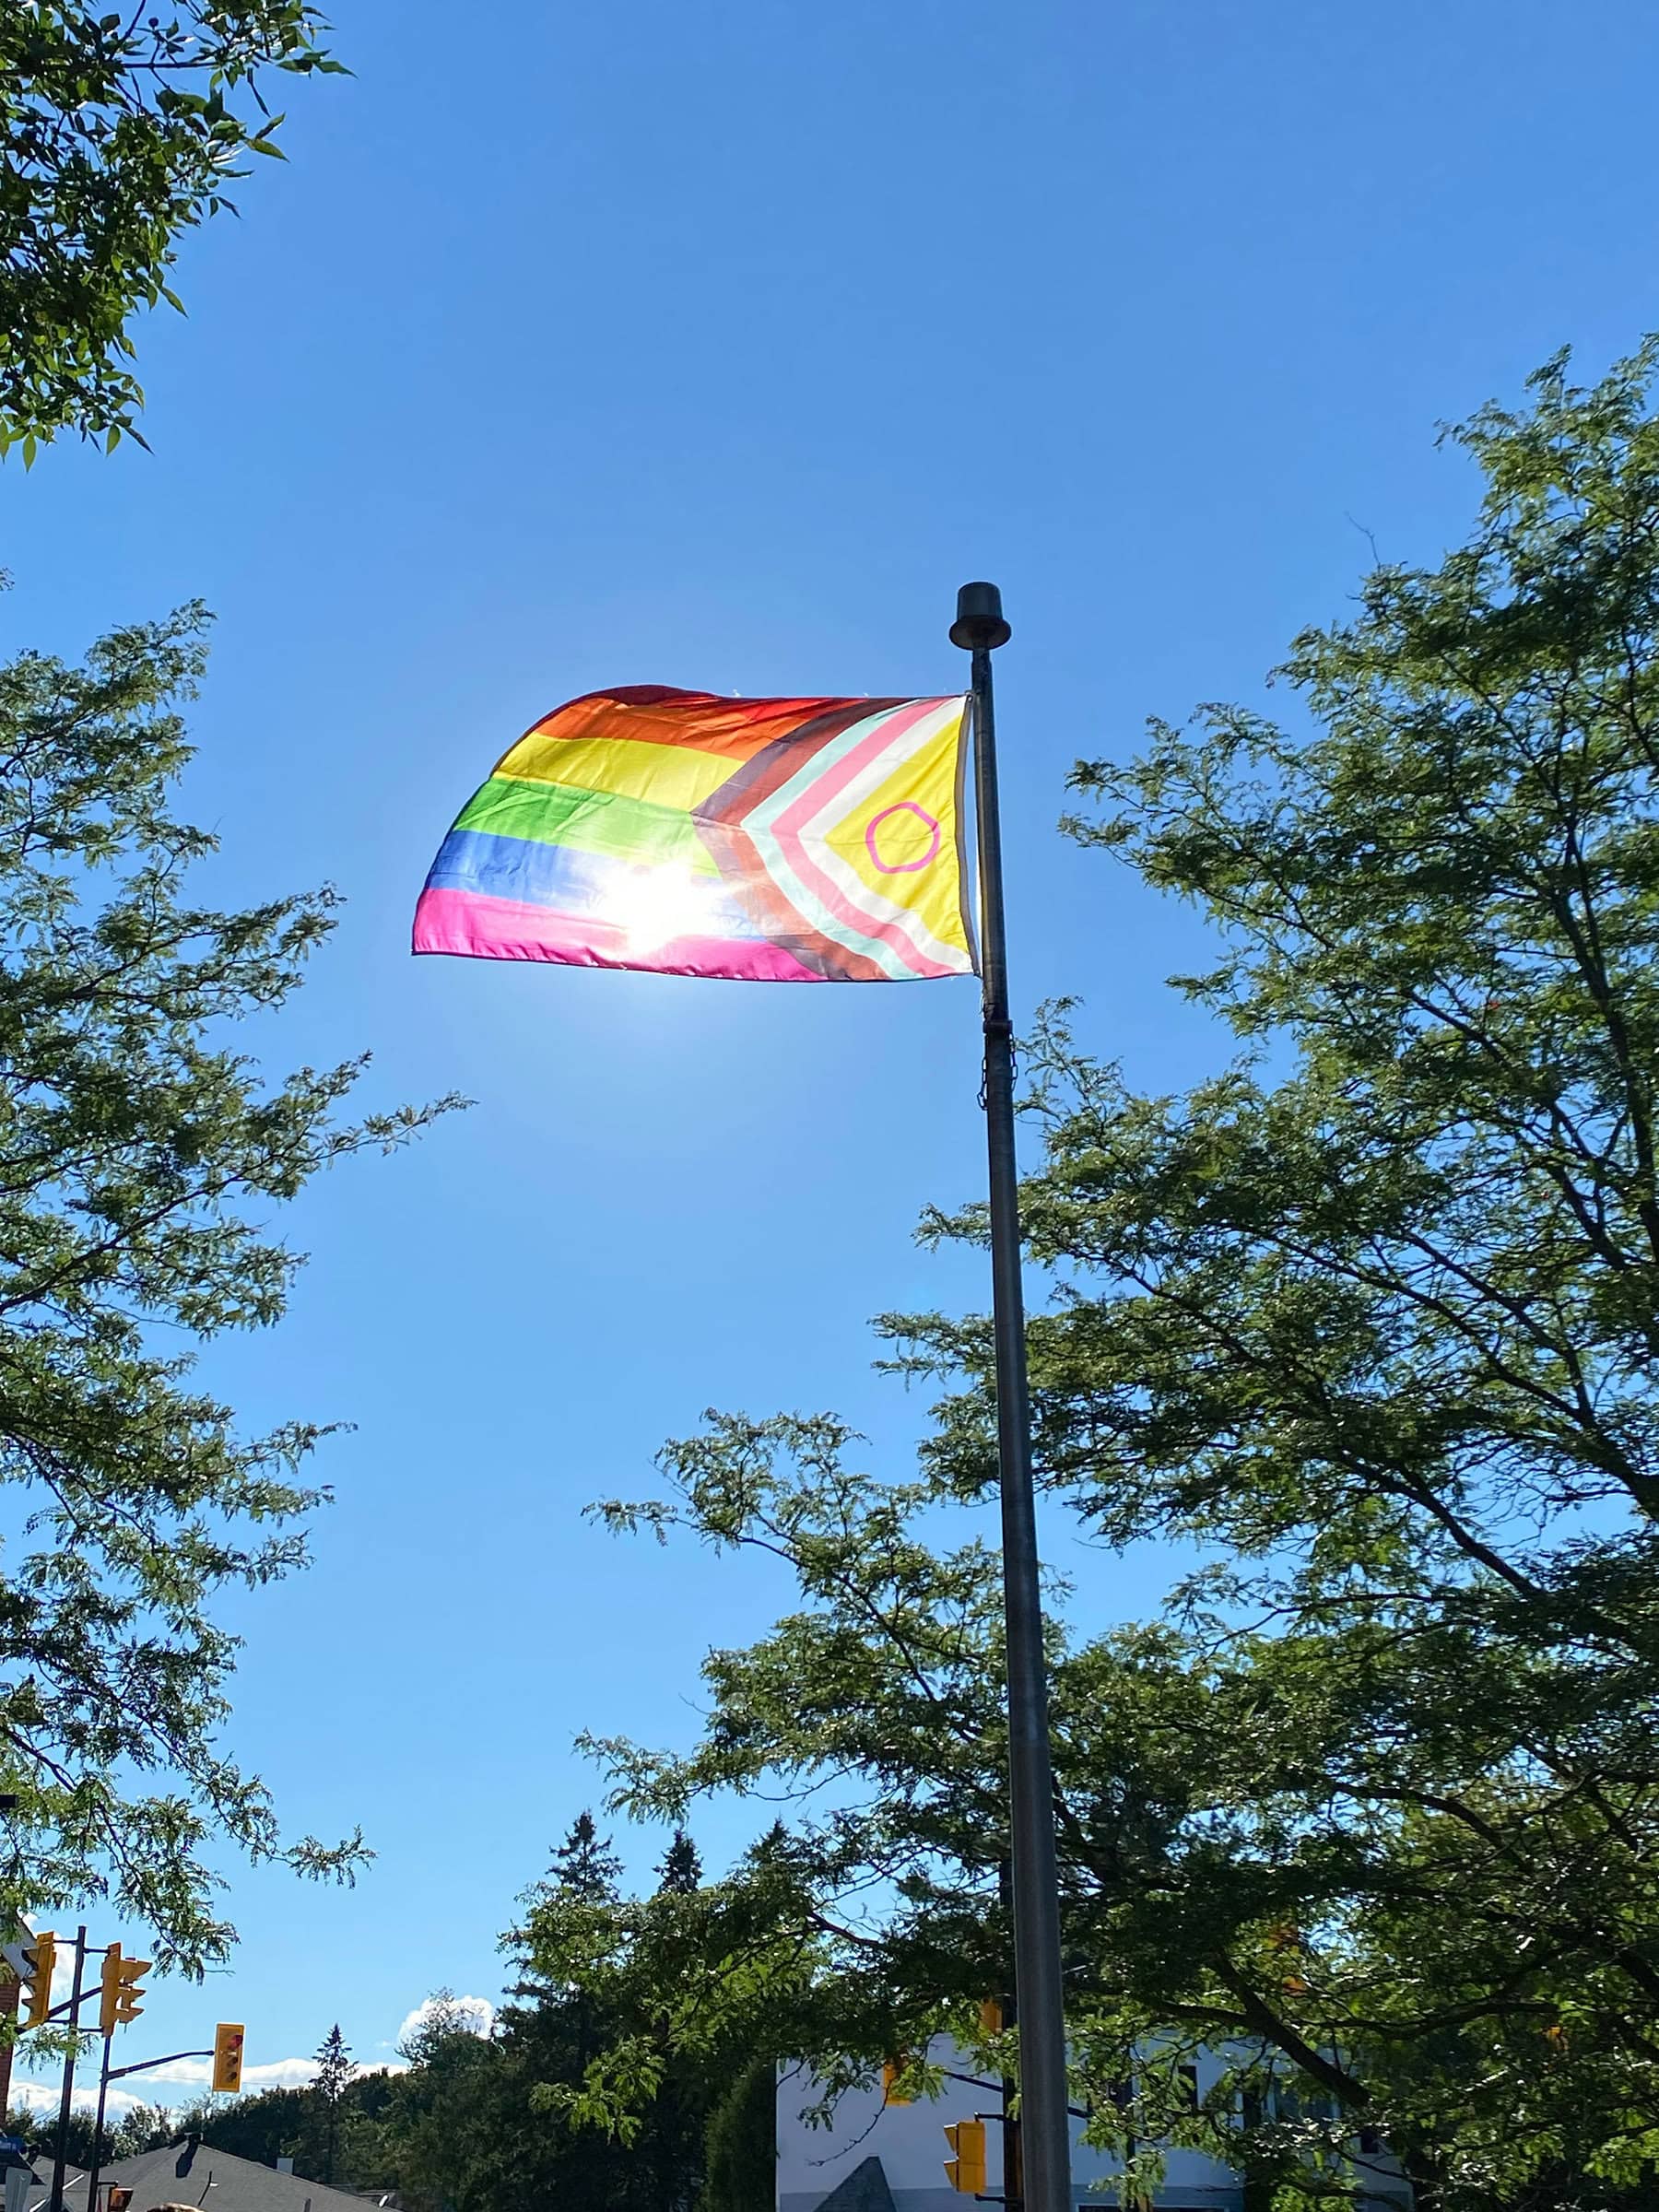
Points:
point(589, 822)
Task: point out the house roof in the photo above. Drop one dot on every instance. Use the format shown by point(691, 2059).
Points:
point(214, 2180)
point(864, 2190)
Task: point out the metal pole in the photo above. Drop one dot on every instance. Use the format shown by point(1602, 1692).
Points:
point(1013, 2165)
point(1045, 2127)
point(103, 2089)
point(60, 2157)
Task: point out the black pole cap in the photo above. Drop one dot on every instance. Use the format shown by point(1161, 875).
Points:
point(979, 618)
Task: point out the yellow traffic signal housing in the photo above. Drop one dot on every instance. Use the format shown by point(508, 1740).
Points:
point(965, 2168)
point(42, 1954)
point(889, 2075)
point(121, 1992)
point(226, 2057)
point(990, 2016)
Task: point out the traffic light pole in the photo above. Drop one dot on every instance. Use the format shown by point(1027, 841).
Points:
point(103, 2090)
point(144, 2065)
point(60, 2158)
point(106, 2076)
point(1045, 2128)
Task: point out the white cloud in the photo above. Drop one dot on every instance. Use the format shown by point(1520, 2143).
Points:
point(37, 2094)
point(476, 2016)
point(197, 2074)
point(42, 2097)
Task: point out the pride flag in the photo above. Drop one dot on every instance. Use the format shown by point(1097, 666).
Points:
point(796, 840)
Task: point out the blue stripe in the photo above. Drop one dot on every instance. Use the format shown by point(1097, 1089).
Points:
point(568, 881)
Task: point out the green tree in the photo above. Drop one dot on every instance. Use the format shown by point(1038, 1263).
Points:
point(680, 1873)
point(451, 2132)
point(1364, 1326)
point(39, 2130)
point(335, 2067)
point(742, 2144)
point(140, 1158)
point(118, 133)
point(268, 2124)
point(143, 2128)
point(674, 2132)
point(479, 2122)
point(580, 1885)
point(265, 2126)
point(585, 1867)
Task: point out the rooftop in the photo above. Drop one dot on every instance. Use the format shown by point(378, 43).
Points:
point(193, 2173)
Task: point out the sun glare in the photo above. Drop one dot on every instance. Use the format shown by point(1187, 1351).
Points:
point(656, 905)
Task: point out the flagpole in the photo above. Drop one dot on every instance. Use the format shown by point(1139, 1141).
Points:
point(1045, 2124)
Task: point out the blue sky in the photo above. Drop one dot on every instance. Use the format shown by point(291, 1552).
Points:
point(716, 345)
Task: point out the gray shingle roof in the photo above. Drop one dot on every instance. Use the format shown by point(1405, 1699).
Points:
point(216, 2181)
point(864, 2190)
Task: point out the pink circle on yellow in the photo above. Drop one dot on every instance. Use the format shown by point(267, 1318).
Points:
point(901, 867)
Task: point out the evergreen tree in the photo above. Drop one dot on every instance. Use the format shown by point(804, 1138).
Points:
point(673, 2133)
point(584, 1864)
point(335, 2070)
point(680, 1873)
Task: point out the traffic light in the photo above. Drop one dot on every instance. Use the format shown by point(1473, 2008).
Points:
point(121, 1990)
point(226, 2057)
point(965, 2168)
point(39, 1956)
point(120, 2199)
point(990, 2016)
point(890, 2075)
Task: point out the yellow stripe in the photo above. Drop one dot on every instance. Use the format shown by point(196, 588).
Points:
point(668, 775)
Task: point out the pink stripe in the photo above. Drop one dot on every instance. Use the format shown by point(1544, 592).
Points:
point(812, 802)
point(500, 929)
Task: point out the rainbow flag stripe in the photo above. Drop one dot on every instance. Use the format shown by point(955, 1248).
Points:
point(799, 841)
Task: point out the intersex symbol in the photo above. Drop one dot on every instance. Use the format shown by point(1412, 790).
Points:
point(901, 867)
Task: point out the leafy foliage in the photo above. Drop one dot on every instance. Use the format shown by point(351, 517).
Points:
point(118, 133)
point(143, 2128)
point(268, 2124)
point(742, 2152)
point(1364, 1326)
point(479, 2122)
point(138, 1152)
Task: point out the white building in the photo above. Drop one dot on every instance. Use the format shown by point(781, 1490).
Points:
point(907, 2142)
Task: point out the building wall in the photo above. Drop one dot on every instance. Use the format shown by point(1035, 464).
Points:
point(909, 2141)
